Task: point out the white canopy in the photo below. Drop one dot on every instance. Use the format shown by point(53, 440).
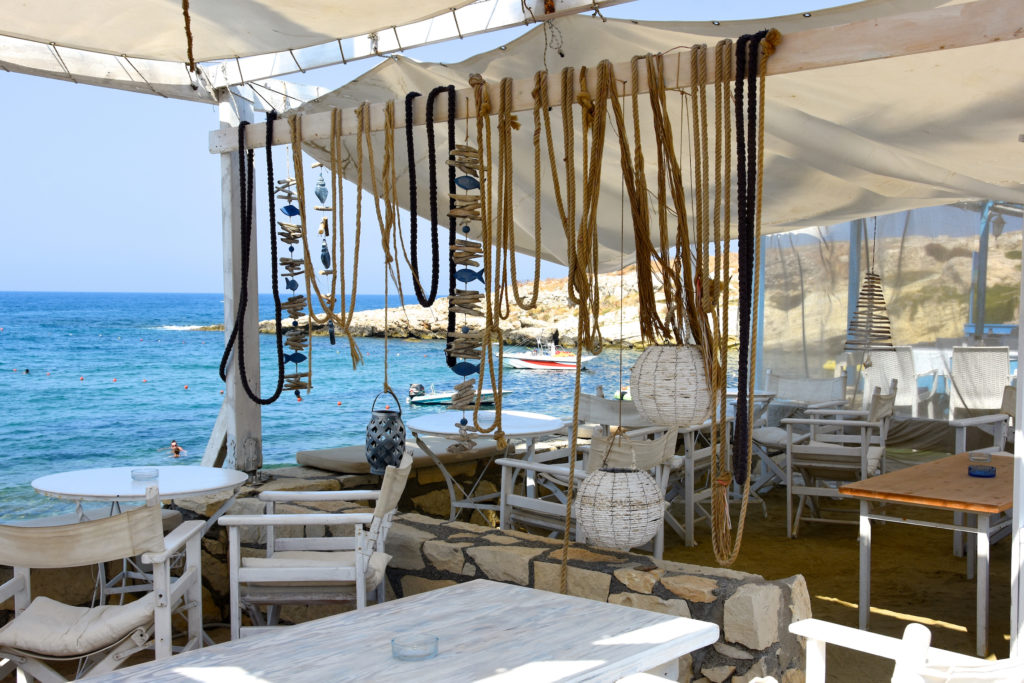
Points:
point(860, 139)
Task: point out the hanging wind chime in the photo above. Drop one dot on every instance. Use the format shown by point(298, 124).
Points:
point(869, 327)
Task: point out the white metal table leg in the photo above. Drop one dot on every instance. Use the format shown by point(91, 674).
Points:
point(864, 594)
point(983, 548)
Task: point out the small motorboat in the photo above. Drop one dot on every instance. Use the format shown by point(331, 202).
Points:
point(544, 357)
point(418, 396)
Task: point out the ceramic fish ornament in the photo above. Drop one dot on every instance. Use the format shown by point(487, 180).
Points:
point(465, 368)
point(321, 190)
point(467, 182)
point(467, 275)
point(325, 255)
point(290, 210)
point(291, 284)
point(294, 357)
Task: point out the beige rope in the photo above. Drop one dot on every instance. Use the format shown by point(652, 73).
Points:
point(343, 319)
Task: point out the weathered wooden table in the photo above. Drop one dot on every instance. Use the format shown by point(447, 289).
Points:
point(942, 485)
point(487, 631)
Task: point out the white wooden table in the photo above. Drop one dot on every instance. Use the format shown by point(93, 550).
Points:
point(516, 424)
point(487, 631)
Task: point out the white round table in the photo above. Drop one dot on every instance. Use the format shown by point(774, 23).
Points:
point(515, 424)
point(114, 484)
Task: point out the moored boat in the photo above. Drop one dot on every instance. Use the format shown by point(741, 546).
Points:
point(544, 357)
point(419, 396)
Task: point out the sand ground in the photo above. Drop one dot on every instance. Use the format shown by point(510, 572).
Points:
point(914, 577)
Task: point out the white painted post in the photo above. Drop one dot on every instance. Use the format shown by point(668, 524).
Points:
point(239, 421)
point(1016, 551)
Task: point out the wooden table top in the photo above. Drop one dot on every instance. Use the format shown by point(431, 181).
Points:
point(486, 630)
point(942, 483)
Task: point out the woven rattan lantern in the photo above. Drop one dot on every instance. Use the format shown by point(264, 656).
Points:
point(385, 436)
point(669, 386)
point(619, 507)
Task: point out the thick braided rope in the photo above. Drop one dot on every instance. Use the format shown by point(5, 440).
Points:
point(569, 156)
point(245, 183)
point(504, 213)
point(424, 300)
point(677, 272)
point(570, 489)
point(754, 63)
point(337, 177)
point(491, 330)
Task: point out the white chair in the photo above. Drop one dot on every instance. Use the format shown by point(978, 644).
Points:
point(898, 364)
point(978, 375)
point(915, 660)
point(533, 492)
point(845, 447)
point(103, 636)
point(313, 569)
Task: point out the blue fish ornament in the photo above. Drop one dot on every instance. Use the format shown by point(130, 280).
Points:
point(465, 368)
point(290, 210)
point(325, 256)
point(290, 284)
point(467, 275)
point(321, 190)
point(467, 182)
point(294, 357)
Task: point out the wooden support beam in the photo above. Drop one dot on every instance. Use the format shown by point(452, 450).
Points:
point(944, 28)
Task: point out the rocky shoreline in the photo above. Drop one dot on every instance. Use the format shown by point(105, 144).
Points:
point(552, 313)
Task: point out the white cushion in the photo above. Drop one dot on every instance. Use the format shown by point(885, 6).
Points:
point(774, 437)
point(52, 628)
point(375, 568)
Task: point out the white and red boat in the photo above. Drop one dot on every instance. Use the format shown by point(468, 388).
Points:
point(544, 357)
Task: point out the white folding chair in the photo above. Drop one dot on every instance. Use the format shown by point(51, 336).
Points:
point(313, 568)
point(102, 636)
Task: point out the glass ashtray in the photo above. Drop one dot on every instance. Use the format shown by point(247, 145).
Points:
point(412, 647)
point(145, 473)
point(979, 457)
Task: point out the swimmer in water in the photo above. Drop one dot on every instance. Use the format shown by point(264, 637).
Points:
point(176, 450)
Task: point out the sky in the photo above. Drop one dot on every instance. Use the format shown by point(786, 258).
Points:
point(117, 191)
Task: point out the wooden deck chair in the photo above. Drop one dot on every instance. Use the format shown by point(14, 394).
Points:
point(898, 364)
point(847, 447)
point(915, 660)
point(103, 636)
point(301, 564)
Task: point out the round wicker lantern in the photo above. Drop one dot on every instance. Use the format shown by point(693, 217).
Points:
point(619, 508)
point(669, 386)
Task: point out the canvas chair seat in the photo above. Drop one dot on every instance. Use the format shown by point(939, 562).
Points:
point(287, 559)
point(822, 463)
point(352, 459)
point(772, 437)
point(82, 629)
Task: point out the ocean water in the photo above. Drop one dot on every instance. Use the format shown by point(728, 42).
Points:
point(114, 377)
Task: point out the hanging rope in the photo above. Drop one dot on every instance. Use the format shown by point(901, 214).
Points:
point(425, 300)
point(245, 187)
point(188, 37)
point(344, 319)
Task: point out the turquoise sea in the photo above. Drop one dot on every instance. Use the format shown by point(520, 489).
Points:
point(114, 377)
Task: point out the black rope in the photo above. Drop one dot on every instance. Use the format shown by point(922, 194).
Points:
point(425, 300)
point(747, 50)
point(432, 160)
point(246, 173)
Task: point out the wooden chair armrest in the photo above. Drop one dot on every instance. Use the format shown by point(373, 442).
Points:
point(307, 496)
point(832, 423)
point(326, 518)
point(834, 403)
point(979, 420)
point(175, 541)
point(836, 412)
point(12, 587)
point(558, 470)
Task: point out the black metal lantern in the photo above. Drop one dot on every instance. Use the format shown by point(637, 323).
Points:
point(385, 436)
